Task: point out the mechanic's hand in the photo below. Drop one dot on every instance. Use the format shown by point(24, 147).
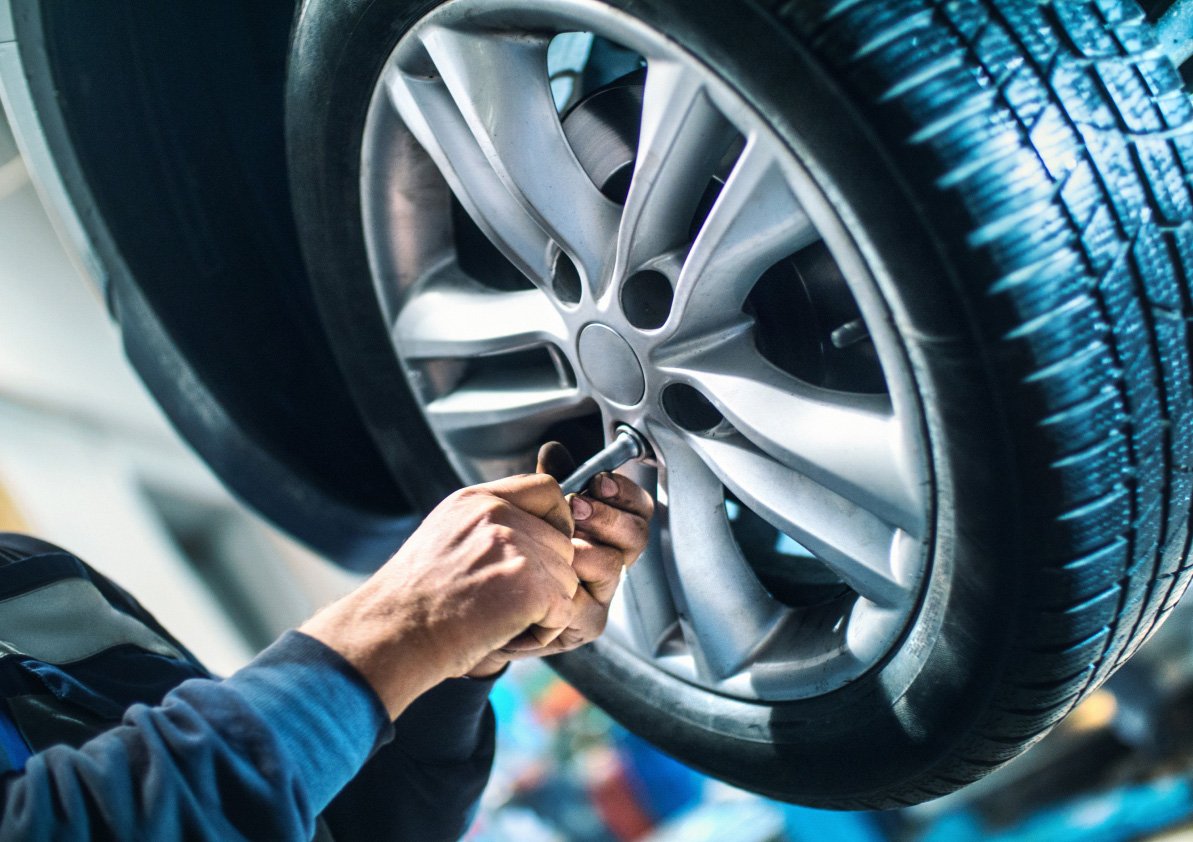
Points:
point(489, 563)
point(611, 521)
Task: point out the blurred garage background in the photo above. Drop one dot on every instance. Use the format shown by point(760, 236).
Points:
point(87, 461)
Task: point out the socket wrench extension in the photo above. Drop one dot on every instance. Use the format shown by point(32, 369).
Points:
point(627, 444)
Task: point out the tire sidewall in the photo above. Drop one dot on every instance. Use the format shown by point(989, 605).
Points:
point(895, 724)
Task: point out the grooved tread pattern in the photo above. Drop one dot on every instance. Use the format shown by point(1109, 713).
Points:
point(1052, 146)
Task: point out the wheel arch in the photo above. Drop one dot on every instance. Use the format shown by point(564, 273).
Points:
point(155, 133)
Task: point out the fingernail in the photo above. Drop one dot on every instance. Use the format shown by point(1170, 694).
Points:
point(581, 508)
point(606, 487)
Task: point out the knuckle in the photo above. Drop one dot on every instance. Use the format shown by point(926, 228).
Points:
point(492, 510)
point(469, 493)
point(452, 502)
point(570, 640)
point(471, 508)
point(521, 481)
point(497, 534)
point(563, 602)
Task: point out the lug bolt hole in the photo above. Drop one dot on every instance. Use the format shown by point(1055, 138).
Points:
point(565, 280)
point(689, 409)
point(646, 299)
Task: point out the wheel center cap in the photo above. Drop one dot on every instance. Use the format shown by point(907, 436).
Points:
point(610, 365)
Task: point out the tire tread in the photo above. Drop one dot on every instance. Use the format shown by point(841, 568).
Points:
point(1056, 141)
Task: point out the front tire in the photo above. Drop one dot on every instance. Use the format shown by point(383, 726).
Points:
point(1010, 181)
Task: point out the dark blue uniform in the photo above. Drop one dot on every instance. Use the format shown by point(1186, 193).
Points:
point(111, 729)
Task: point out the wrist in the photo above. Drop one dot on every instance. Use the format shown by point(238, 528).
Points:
point(387, 649)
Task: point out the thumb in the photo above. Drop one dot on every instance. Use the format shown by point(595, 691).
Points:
point(555, 461)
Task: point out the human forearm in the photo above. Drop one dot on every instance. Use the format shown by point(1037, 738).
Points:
point(385, 641)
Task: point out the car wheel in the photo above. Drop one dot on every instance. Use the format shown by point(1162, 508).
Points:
point(897, 291)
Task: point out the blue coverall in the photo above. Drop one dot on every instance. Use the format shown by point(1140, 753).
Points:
point(111, 729)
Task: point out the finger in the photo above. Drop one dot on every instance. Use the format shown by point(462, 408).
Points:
point(531, 642)
point(621, 493)
point(558, 616)
point(599, 568)
point(530, 649)
point(524, 642)
point(587, 624)
point(623, 530)
point(555, 460)
point(545, 636)
point(588, 621)
point(536, 494)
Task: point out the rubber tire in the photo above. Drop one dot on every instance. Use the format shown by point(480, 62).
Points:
point(1018, 174)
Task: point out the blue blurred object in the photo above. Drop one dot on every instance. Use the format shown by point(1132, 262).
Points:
point(564, 806)
point(804, 824)
point(662, 785)
point(743, 819)
point(520, 737)
point(1115, 816)
point(960, 826)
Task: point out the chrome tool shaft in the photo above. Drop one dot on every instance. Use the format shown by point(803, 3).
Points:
point(627, 444)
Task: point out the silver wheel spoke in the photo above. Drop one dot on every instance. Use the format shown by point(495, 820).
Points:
point(682, 138)
point(652, 617)
point(491, 415)
point(726, 613)
point(464, 319)
point(755, 222)
point(500, 86)
point(848, 443)
point(848, 539)
point(426, 103)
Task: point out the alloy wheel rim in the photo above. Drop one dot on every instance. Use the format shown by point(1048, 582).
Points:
point(627, 315)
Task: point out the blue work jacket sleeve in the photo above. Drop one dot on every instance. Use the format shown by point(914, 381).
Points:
point(258, 755)
point(425, 782)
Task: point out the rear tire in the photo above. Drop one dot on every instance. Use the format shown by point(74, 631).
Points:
point(1017, 175)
